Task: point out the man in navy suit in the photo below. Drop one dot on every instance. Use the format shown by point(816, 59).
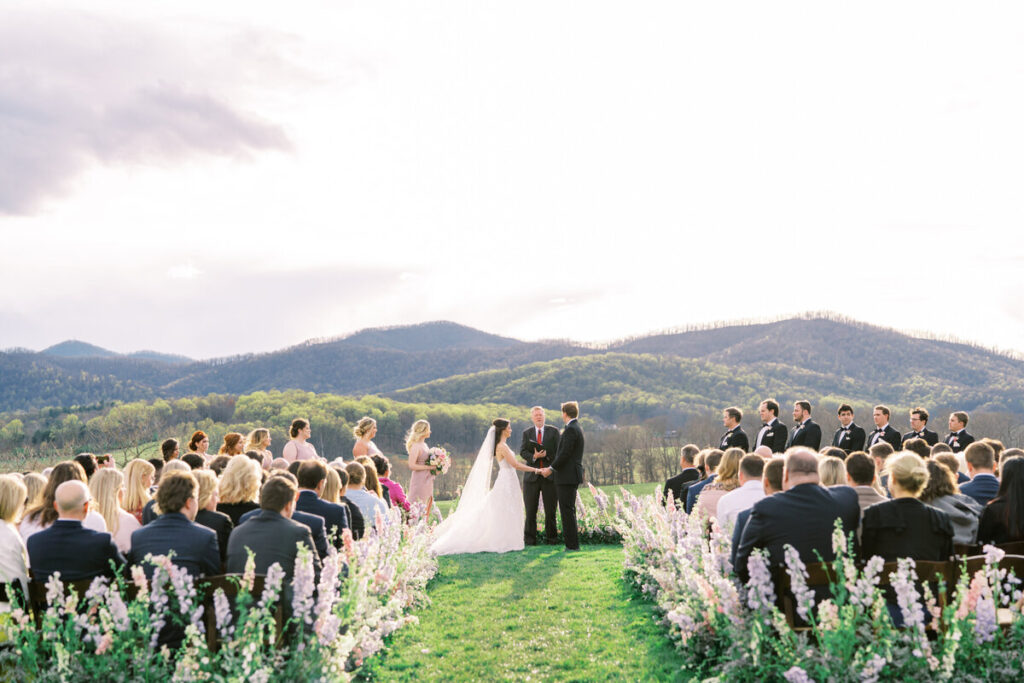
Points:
point(802, 516)
point(568, 470)
point(312, 477)
point(806, 431)
point(689, 474)
point(69, 548)
point(194, 546)
point(735, 437)
point(981, 463)
point(919, 428)
point(711, 461)
point(883, 430)
point(316, 524)
point(773, 433)
point(958, 438)
point(849, 436)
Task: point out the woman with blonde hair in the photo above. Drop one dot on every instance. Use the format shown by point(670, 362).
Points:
point(421, 484)
point(727, 478)
point(239, 488)
point(138, 478)
point(371, 482)
point(208, 515)
point(332, 487)
point(34, 485)
point(258, 441)
point(41, 515)
point(364, 431)
point(13, 556)
point(298, 448)
point(107, 490)
point(234, 444)
point(831, 471)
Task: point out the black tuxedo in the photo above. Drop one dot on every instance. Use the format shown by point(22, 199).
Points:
point(959, 440)
point(890, 436)
point(735, 438)
point(677, 484)
point(806, 434)
point(536, 486)
point(775, 437)
point(850, 438)
point(930, 437)
point(568, 475)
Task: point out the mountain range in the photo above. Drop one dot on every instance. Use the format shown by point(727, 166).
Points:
point(822, 358)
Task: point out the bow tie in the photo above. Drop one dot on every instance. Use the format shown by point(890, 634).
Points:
point(878, 430)
point(918, 434)
point(764, 424)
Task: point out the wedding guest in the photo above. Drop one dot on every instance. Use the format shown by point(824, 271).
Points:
point(234, 444)
point(832, 472)
point(688, 473)
point(279, 464)
point(259, 440)
point(152, 510)
point(983, 485)
point(158, 469)
point(105, 461)
point(712, 459)
point(194, 461)
point(138, 478)
point(312, 478)
point(239, 486)
point(950, 460)
point(13, 555)
point(880, 453)
point(773, 433)
point(41, 515)
point(332, 486)
point(369, 505)
point(421, 485)
point(942, 493)
point(806, 431)
point(354, 515)
point(298, 448)
point(1002, 520)
point(316, 524)
point(169, 450)
point(219, 464)
point(771, 481)
point(833, 452)
point(191, 546)
point(750, 491)
point(919, 429)
point(941, 447)
point(208, 515)
point(918, 447)
point(67, 546)
point(734, 436)
point(34, 485)
point(393, 490)
point(107, 489)
point(726, 480)
point(364, 431)
point(997, 449)
point(883, 431)
point(372, 482)
point(199, 444)
point(860, 474)
point(88, 463)
point(764, 452)
point(849, 436)
point(958, 439)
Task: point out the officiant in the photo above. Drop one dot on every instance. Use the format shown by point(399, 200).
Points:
point(539, 445)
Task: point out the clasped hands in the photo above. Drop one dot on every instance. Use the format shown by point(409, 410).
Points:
point(543, 471)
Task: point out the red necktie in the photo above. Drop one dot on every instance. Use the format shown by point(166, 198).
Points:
point(540, 436)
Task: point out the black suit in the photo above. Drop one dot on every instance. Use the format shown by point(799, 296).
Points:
point(677, 484)
point(906, 527)
point(806, 434)
point(802, 517)
point(316, 524)
point(775, 437)
point(930, 437)
point(568, 475)
point(194, 545)
point(536, 486)
point(273, 538)
point(74, 551)
point(890, 436)
point(221, 525)
point(850, 438)
point(735, 438)
point(335, 515)
point(960, 440)
point(355, 517)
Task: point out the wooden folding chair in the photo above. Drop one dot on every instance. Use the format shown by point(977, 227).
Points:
point(930, 572)
point(1012, 563)
point(819, 575)
point(230, 583)
point(37, 595)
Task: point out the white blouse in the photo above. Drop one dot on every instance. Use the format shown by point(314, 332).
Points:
point(93, 520)
point(13, 556)
point(126, 524)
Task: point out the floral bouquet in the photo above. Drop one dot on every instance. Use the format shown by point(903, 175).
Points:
point(439, 461)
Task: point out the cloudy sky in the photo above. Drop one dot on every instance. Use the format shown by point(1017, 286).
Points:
point(216, 178)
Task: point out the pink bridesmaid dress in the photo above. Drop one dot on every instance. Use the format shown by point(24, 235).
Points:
point(421, 486)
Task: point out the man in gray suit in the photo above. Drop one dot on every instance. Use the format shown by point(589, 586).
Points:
point(568, 471)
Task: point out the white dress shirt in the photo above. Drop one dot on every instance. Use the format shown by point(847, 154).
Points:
point(735, 502)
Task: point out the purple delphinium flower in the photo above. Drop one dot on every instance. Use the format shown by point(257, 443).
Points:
point(798, 582)
point(797, 675)
point(907, 597)
point(222, 612)
point(303, 586)
point(760, 589)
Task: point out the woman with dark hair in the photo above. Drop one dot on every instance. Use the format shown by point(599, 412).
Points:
point(942, 493)
point(298, 448)
point(199, 444)
point(1002, 521)
point(395, 493)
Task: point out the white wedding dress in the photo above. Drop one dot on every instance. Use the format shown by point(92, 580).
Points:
point(486, 520)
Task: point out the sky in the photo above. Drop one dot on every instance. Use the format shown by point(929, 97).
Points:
point(219, 178)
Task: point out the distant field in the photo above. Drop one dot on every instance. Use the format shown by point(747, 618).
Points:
point(16, 463)
point(445, 506)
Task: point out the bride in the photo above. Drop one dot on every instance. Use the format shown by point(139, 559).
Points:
point(487, 520)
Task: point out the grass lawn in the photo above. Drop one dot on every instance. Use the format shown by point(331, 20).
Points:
point(539, 614)
point(636, 489)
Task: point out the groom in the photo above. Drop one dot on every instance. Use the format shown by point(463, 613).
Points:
point(540, 443)
point(568, 471)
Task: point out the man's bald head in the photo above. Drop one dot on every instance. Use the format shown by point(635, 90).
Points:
point(801, 468)
point(764, 452)
point(70, 499)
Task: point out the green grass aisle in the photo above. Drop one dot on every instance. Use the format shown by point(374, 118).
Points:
point(540, 614)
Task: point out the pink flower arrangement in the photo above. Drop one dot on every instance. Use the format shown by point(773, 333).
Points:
point(439, 461)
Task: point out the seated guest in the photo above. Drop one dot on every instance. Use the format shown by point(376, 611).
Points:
point(369, 505)
point(194, 461)
point(726, 480)
point(904, 526)
point(765, 452)
point(712, 458)
point(688, 473)
point(152, 510)
point(1002, 521)
point(354, 515)
point(138, 478)
point(107, 492)
point(880, 452)
point(279, 464)
point(394, 494)
point(239, 486)
point(802, 516)
point(13, 556)
point(832, 471)
point(312, 478)
point(749, 492)
point(833, 452)
point(919, 447)
point(997, 449)
point(43, 513)
point(983, 485)
point(771, 483)
point(332, 487)
point(66, 546)
point(941, 447)
point(271, 535)
point(316, 524)
point(158, 468)
point(951, 461)
point(208, 515)
point(218, 464)
point(34, 484)
point(88, 463)
point(194, 546)
point(942, 493)
point(860, 474)
point(372, 481)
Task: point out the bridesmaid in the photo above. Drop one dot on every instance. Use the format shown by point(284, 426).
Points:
point(364, 431)
point(297, 447)
point(421, 487)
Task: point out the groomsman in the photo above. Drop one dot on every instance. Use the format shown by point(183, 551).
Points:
point(919, 428)
point(539, 445)
point(806, 431)
point(883, 430)
point(735, 437)
point(849, 436)
point(773, 433)
point(958, 438)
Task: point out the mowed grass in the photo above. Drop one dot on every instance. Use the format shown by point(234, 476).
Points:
point(445, 506)
point(537, 615)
